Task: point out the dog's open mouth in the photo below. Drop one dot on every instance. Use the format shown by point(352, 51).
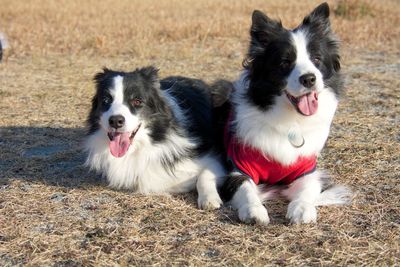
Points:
point(306, 104)
point(120, 142)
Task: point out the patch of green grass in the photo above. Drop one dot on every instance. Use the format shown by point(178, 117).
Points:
point(4, 93)
point(353, 9)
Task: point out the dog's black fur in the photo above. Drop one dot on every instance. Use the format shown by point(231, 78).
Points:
point(172, 144)
point(270, 73)
point(190, 94)
point(271, 55)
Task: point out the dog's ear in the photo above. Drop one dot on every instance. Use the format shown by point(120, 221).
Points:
point(221, 91)
point(263, 29)
point(320, 12)
point(318, 25)
point(318, 19)
point(101, 76)
point(150, 73)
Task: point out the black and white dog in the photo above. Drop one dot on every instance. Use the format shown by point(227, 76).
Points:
point(153, 136)
point(280, 115)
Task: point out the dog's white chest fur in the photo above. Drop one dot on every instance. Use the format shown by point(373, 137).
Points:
point(269, 130)
point(142, 169)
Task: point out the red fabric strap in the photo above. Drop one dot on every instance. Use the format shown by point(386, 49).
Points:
point(259, 168)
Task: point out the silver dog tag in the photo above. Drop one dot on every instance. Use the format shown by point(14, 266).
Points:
point(295, 137)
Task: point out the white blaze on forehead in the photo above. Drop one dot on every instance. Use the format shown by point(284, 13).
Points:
point(117, 91)
point(118, 107)
point(303, 64)
point(300, 43)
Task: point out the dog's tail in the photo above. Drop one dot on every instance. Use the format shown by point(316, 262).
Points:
point(335, 195)
point(331, 194)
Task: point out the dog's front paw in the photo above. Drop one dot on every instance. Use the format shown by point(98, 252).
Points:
point(301, 212)
point(254, 214)
point(209, 202)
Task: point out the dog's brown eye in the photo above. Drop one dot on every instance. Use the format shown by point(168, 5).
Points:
point(285, 64)
point(106, 100)
point(316, 61)
point(136, 102)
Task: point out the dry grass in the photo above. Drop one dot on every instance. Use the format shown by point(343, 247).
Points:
point(52, 212)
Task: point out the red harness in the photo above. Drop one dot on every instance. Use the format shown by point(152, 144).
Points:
point(260, 169)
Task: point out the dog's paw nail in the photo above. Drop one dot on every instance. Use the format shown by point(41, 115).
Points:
point(254, 214)
point(301, 212)
point(209, 203)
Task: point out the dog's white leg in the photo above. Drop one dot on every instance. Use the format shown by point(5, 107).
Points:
point(208, 181)
point(249, 205)
point(303, 195)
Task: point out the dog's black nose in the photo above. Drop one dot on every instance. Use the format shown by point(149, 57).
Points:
point(308, 80)
point(116, 121)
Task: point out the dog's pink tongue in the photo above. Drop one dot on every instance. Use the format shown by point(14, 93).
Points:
point(308, 104)
point(120, 144)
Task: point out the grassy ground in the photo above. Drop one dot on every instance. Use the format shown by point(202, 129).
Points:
point(53, 212)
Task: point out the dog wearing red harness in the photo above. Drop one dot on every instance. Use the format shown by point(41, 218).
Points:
point(279, 116)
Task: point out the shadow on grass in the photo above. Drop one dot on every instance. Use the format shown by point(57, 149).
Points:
point(50, 155)
point(54, 156)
